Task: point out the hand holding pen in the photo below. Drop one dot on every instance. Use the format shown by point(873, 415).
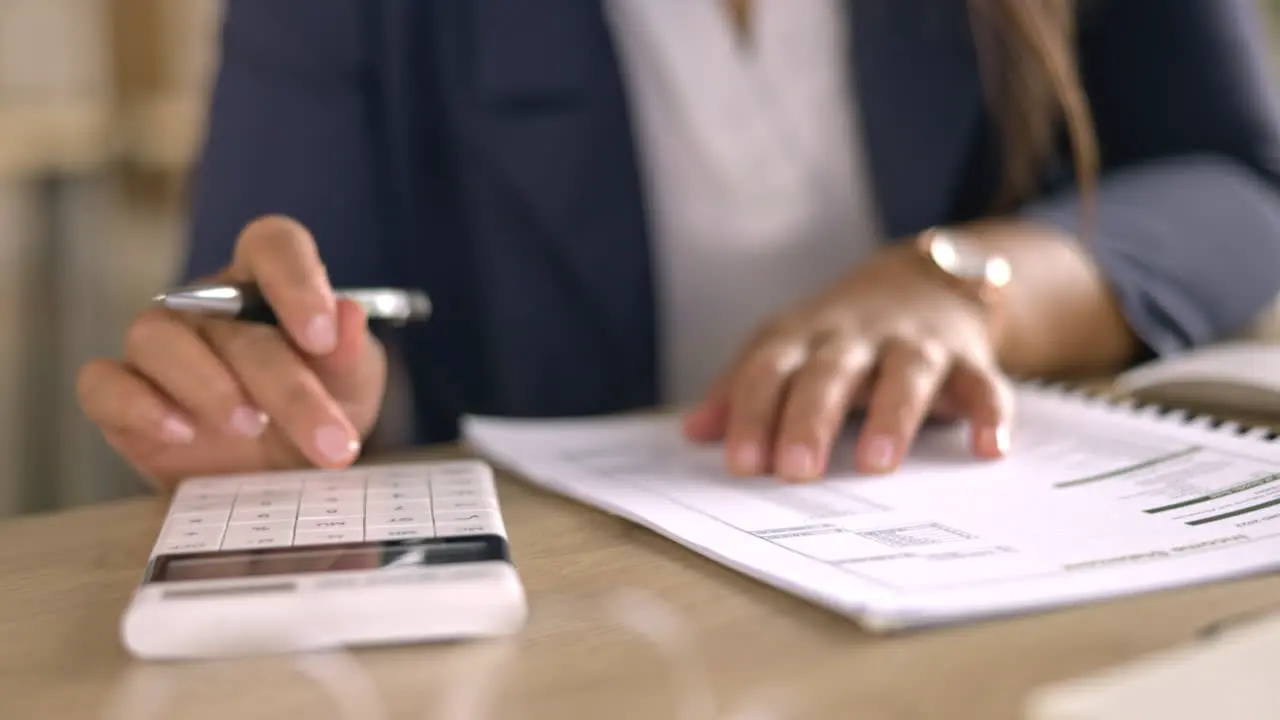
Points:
point(297, 381)
point(246, 303)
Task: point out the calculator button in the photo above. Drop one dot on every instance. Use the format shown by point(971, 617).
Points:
point(333, 497)
point(398, 533)
point(253, 496)
point(447, 484)
point(189, 520)
point(414, 480)
point(310, 524)
point(396, 507)
point(460, 481)
point(260, 515)
point(467, 499)
point(473, 527)
point(467, 469)
point(451, 505)
point(329, 537)
point(454, 515)
point(467, 523)
point(460, 493)
point(333, 510)
point(251, 535)
point(388, 486)
point(266, 503)
point(385, 495)
point(186, 540)
point(393, 519)
point(240, 541)
point(180, 547)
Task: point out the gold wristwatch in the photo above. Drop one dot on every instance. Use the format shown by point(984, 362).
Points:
point(967, 266)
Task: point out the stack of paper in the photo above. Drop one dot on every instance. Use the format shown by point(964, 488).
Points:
point(1095, 501)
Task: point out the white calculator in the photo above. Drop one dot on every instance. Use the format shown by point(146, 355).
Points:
point(318, 559)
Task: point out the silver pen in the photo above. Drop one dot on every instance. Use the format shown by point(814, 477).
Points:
point(245, 303)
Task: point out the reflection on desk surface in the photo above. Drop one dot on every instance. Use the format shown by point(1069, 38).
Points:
point(1231, 676)
point(472, 684)
point(65, 579)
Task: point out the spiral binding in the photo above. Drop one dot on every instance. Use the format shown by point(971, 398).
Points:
point(1132, 406)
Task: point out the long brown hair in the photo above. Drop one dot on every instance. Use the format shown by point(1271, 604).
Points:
point(1027, 51)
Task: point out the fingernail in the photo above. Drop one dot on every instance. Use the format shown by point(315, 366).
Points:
point(881, 452)
point(993, 440)
point(1002, 439)
point(176, 430)
point(248, 422)
point(322, 334)
point(746, 458)
point(797, 462)
point(335, 444)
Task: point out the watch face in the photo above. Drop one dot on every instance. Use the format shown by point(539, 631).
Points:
point(967, 261)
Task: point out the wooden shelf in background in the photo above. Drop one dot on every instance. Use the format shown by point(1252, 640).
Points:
point(67, 136)
point(159, 134)
point(162, 132)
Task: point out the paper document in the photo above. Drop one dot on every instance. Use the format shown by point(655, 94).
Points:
point(1094, 501)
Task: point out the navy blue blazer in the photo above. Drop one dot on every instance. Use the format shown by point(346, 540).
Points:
point(482, 150)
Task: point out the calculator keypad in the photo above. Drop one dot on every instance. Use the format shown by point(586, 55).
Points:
point(328, 507)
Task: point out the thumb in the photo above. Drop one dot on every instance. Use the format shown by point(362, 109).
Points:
point(355, 371)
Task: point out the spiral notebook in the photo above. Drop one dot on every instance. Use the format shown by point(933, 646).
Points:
point(1096, 500)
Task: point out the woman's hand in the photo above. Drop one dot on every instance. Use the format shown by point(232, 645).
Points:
point(201, 396)
point(892, 339)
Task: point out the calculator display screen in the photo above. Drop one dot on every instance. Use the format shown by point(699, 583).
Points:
point(233, 564)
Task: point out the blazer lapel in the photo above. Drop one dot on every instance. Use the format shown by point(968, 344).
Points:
point(920, 99)
point(542, 121)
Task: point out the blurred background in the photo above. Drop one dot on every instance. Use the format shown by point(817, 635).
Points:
point(101, 105)
point(101, 111)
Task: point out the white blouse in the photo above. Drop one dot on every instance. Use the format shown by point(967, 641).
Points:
point(753, 172)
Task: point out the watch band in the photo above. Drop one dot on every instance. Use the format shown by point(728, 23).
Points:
point(971, 270)
point(977, 272)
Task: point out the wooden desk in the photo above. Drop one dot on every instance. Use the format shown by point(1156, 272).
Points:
point(65, 580)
